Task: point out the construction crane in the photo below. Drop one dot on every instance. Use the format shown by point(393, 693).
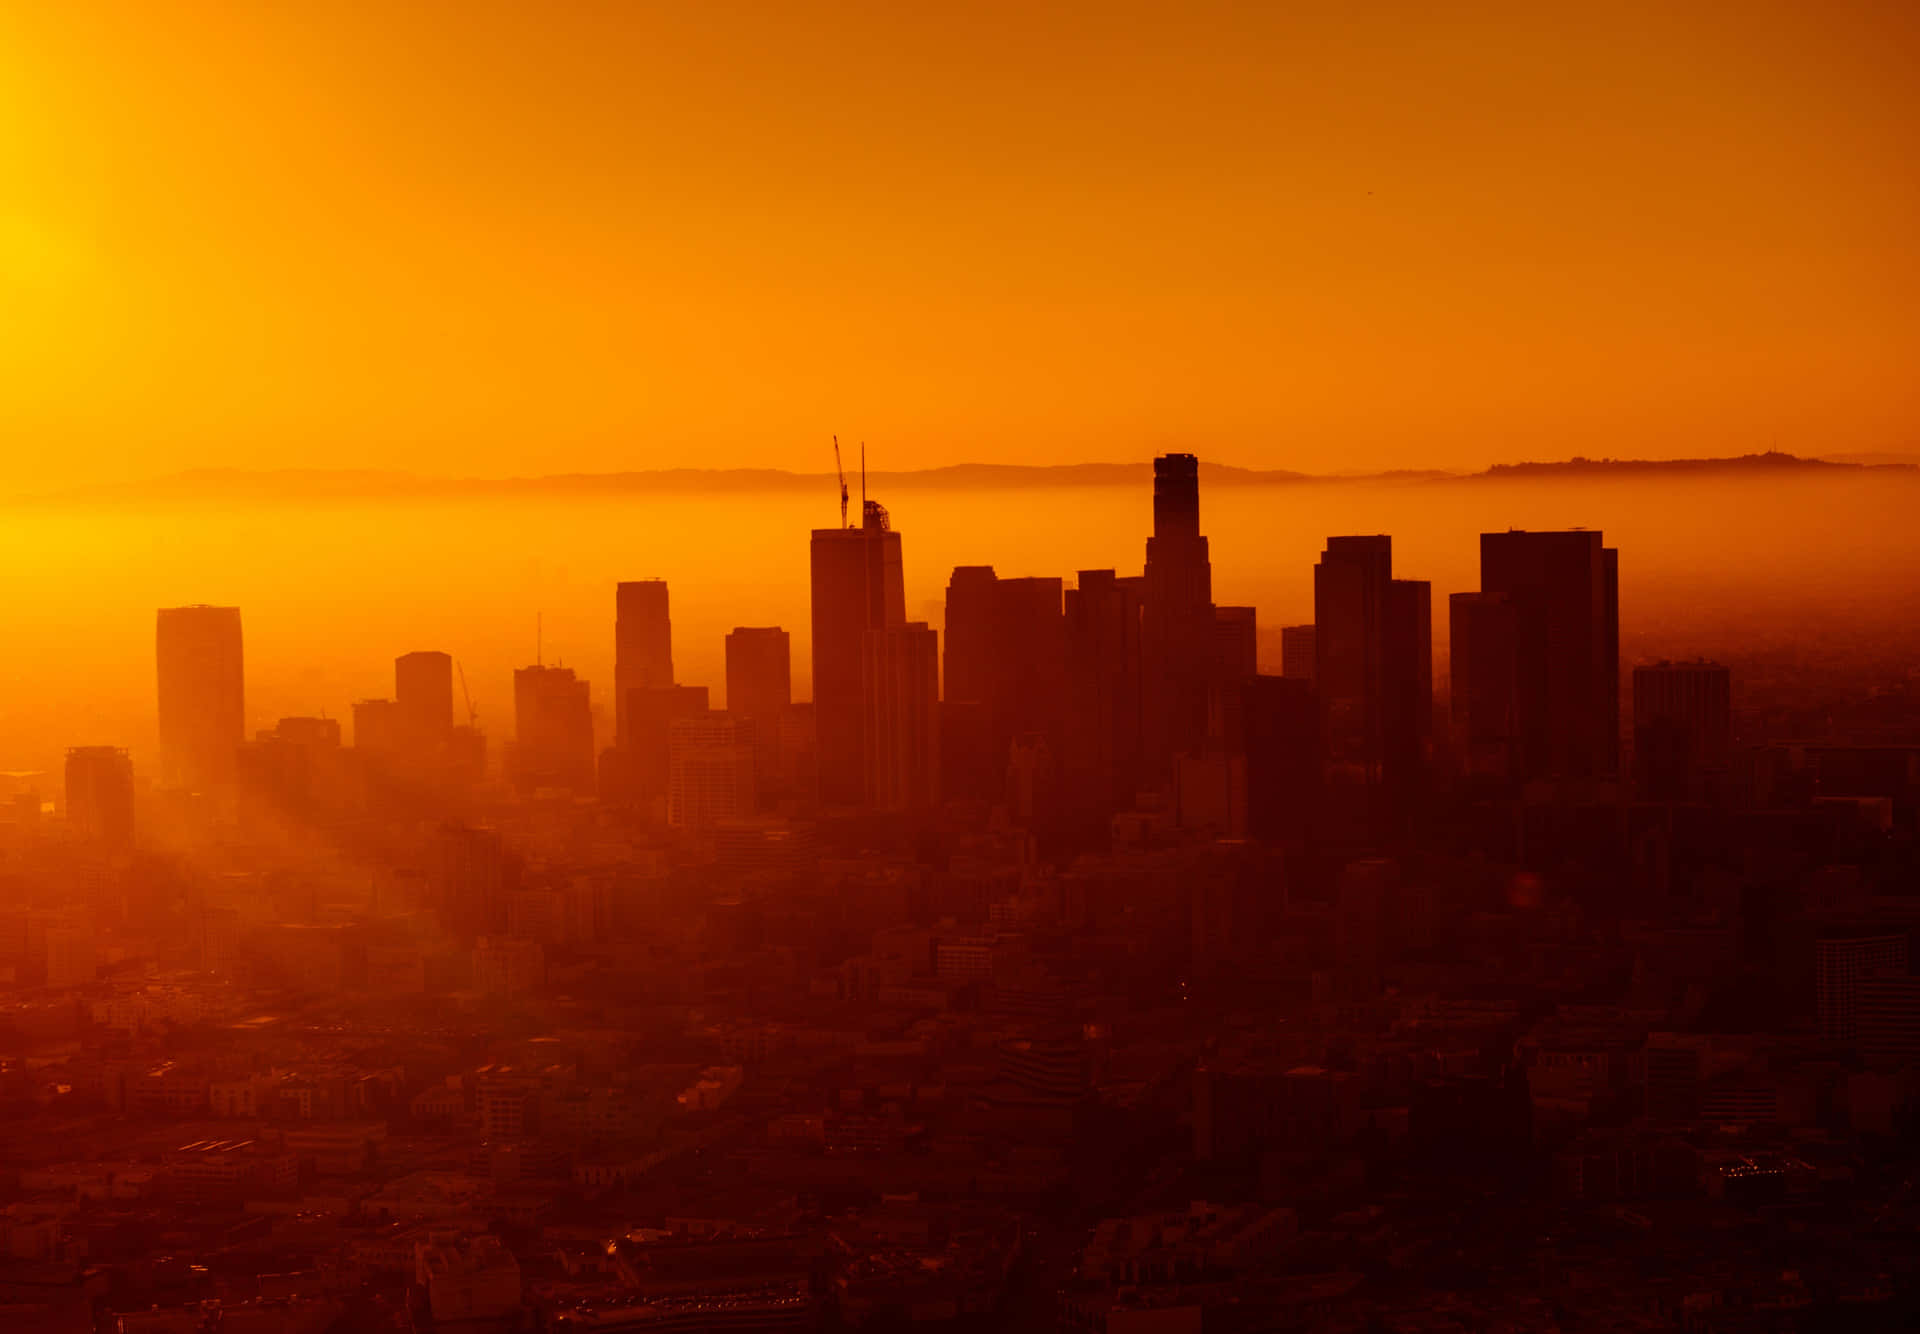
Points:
point(843, 481)
point(473, 714)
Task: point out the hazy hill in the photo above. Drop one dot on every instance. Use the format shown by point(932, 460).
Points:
point(298, 485)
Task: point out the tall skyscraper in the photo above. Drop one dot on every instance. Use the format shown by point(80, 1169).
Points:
point(710, 771)
point(1682, 728)
point(376, 726)
point(1373, 641)
point(972, 607)
point(203, 709)
point(901, 729)
point(1236, 643)
point(642, 644)
point(553, 731)
point(1178, 639)
point(1280, 721)
point(759, 672)
point(1564, 588)
point(1483, 640)
point(1030, 643)
point(857, 586)
point(1297, 652)
point(1350, 591)
point(1101, 756)
point(642, 767)
point(1407, 679)
point(100, 795)
point(760, 689)
point(423, 697)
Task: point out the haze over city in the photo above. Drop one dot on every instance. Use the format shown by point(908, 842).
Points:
point(1122, 669)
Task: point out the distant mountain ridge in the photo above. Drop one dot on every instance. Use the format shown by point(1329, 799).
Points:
point(319, 484)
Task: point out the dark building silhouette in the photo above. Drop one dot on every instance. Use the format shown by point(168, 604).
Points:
point(857, 586)
point(1236, 643)
point(296, 773)
point(1297, 652)
point(202, 680)
point(423, 696)
point(900, 690)
point(1682, 728)
point(1030, 697)
point(1101, 756)
point(376, 727)
point(970, 672)
point(1483, 640)
point(1373, 641)
point(760, 687)
point(638, 773)
point(1407, 680)
point(1280, 730)
point(100, 795)
point(1564, 588)
point(553, 731)
point(1350, 586)
point(642, 643)
point(1178, 642)
point(973, 751)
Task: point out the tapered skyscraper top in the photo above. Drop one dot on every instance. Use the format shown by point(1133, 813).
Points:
point(1176, 496)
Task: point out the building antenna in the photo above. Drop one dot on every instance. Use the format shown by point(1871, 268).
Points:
point(539, 639)
point(863, 481)
point(843, 481)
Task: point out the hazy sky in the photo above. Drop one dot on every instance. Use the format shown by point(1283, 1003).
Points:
point(517, 238)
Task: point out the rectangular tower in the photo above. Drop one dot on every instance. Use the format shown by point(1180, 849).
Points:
point(1564, 590)
point(642, 644)
point(202, 681)
point(901, 728)
point(857, 586)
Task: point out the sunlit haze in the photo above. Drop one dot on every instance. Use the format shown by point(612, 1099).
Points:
point(1104, 668)
point(494, 239)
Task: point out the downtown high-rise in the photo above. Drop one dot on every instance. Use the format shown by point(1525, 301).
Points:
point(202, 694)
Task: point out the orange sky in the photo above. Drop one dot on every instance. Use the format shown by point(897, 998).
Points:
point(497, 239)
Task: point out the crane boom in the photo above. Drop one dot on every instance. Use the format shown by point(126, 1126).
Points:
point(473, 714)
point(843, 481)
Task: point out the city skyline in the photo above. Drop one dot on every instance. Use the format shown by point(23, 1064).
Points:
point(1059, 668)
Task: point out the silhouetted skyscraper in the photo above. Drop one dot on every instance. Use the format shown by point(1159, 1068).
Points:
point(1682, 726)
point(1101, 756)
point(973, 759)
point(1350, 591)
point(641, 768)
point(1297, 652)
point(901, 730)
point(1280, 722)
point(642, 644)
point(1179, 638)
point(1565, 591)
point(760, 687)
point(972, 606)
point(1483, 640)
point(1236, 643)
point(203, 709)
point(1030, 642)
point(553, 730)
point(100, 795)
point(376, 726)
point(1373, 641)
point(1407, 679)
point(423, 696)
point(857, 586)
